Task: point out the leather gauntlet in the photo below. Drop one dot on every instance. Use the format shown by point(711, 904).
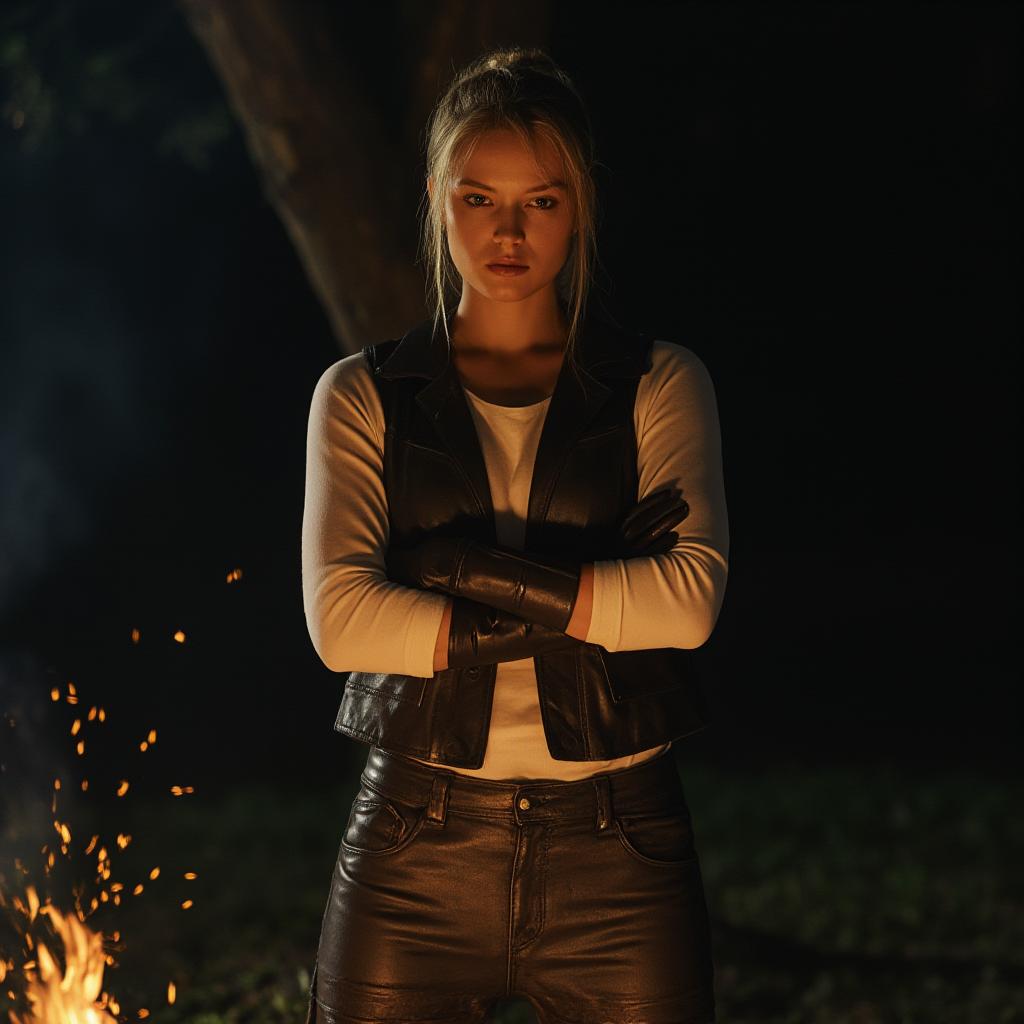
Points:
point(536, 590)
point(482, 635)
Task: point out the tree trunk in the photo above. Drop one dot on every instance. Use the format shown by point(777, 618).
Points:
point(344, 179)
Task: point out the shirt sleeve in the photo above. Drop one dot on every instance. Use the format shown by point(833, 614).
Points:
point(358, 619)
point(671, 599)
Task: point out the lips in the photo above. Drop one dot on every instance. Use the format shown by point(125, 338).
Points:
point(507, 263)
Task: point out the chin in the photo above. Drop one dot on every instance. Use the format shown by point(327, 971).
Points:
point(510, 290)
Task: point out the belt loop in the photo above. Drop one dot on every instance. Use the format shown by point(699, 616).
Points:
point(604, 802)
point(437, 809)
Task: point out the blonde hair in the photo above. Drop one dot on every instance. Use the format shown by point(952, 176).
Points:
point(525, 91)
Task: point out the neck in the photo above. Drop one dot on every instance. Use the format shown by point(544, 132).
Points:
point(485, 327)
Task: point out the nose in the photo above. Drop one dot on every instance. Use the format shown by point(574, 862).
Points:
point(508, 226)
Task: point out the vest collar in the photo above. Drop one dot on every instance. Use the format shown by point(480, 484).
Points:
point(603, 349)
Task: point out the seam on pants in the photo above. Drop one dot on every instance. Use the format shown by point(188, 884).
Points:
point(542, 882)
point(511, 911)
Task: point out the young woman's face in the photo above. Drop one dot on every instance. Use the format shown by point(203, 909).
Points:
point(506, 206)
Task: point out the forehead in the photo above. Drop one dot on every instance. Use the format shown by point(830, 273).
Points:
point(500, 158)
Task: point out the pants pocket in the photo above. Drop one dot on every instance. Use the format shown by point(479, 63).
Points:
point(661, 840)
point(379, 825)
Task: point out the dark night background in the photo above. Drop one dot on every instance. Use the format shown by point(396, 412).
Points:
point(819, 200)
point(816, 201)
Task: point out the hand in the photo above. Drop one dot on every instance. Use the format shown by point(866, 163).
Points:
point(424, 564)
point(480, 634)
point(645, 528)
point(539, 590)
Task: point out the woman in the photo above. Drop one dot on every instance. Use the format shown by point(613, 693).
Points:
point(514, 622)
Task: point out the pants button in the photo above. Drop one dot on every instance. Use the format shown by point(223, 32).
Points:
point(524, 804)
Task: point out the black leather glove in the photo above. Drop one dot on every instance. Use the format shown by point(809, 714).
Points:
point(481, 634)
point(645, 529)
point(531, 588)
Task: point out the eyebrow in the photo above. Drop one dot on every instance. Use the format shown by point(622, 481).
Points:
point(557, 183)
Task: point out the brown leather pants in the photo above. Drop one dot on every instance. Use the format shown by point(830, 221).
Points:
point(451, 893)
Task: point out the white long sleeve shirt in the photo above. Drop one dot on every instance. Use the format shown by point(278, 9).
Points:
point(359, 620)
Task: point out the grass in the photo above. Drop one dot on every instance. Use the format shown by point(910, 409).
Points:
point(839, 897)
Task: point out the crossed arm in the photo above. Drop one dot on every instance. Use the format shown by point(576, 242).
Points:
point(578, 626)
point(359, 619)
point(511, 605)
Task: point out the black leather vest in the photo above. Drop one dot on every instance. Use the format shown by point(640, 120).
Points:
point(595, 704)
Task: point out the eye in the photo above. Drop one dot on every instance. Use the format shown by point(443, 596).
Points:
point(469, 197)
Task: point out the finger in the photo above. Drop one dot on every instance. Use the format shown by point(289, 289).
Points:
point(676, 514)
point(668, 541)
point(659, 546)
point(658, 521)
point(649, 509)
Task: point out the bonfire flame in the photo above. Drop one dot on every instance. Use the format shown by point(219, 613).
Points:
point(68, 998)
